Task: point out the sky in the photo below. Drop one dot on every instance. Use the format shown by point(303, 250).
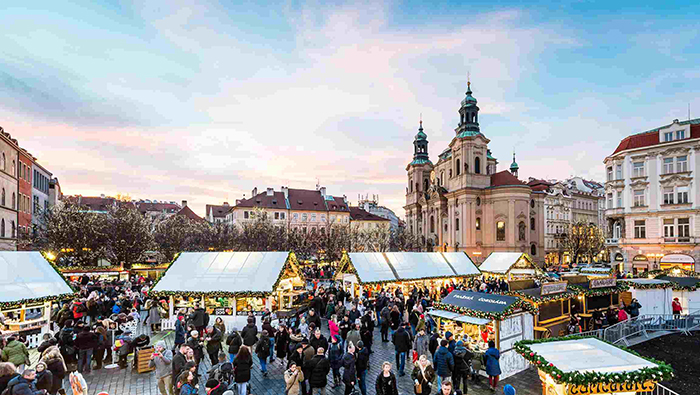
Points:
point(205, 100)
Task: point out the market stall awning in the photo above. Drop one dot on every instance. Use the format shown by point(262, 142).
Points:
point(458, 317)
point(419, 265)
point(461, 263)
point(372, 267)
point(27, 275)
point(488, 303)
point(502, 262)
point(231, 272)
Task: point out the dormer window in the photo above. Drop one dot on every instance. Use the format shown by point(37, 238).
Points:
point(299, 202)
point(274, 202)
point(668, 136)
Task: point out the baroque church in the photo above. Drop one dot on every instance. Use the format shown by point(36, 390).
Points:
point(463, 203)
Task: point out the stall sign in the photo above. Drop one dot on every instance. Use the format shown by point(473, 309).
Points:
point(619, 258)
point(490, 303)
point(553, 288)
point(223, 311)
point(522, 264)
point(603, 282)
point(608, 388)
point(640, 258)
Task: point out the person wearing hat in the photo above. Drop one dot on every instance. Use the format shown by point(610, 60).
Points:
point(676, 307)
point(508, 390)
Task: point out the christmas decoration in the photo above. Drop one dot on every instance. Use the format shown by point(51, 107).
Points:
point(635, 285)
point(499, 316)
point(618, 288)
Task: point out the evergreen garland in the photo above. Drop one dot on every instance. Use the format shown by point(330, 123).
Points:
point(499, 316)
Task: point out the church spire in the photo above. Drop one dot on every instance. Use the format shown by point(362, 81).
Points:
point(514, 166)
point(468, 115)
point(420, 146)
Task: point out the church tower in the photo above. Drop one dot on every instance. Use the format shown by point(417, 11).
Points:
point(418, 172)
point(468, 115)
point(514, 166)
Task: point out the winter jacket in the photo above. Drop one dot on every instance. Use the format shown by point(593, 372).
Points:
point(353, 314)
point(319, 342)
point(444, 362)
point(633, 309)
point(180, 332)
point(333, 327)
point(318, 368)
point(362, 362)
point(420, 344)
point(214, 342)
point(281, 343)
point(196, 347)
point(15, 352)
point(178, 364)
point(462, 356)
point(434, 343)
point(241, 368)
point(386, 385)
point(395, 320)
point(162, 364)
point(349, 369)
point(234, 343)
point(493, 367)
point(271, 331)
point(5, 380)
point(249, 334)
point(86, 340)
point(292, 380)
point(199, 318)
point(55, 363)
point(335, 354)
point(353, 336)
point(315, 319)
point(425, 378)
point(20, 386)
point(188, 389)
point(262, 349)
point(44, 380)
point(401, 340)
point(385, 315)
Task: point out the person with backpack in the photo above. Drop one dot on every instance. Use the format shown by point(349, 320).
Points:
point(234, 342)
point(241, 367)
point(23, 385)
point(462, 357)
point(250, 333)
point(123, 347)
point(86, 341)
point(213, 339)
point(493, 367)
point(161, 360)
point(271, 332)
point(262, 350)
point(444, 362)
point(318, 368)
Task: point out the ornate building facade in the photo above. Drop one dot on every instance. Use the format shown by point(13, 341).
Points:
point(462, 203)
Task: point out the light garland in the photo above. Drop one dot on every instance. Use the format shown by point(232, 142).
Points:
point(635, 285)
point(668, 272)
point(52, 298)
point(499, 316)
point(618, 288)
point(662, 372)
point(566, 295)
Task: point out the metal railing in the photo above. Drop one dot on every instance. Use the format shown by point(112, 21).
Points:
point(643, 325)
point(659, 390)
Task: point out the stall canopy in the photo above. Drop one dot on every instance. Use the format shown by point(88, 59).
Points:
point(516, 263)
point(458, 317)
point(26, 276)
point(478, 301)
point(688, 283)
point(377, 267)
point(225, 272)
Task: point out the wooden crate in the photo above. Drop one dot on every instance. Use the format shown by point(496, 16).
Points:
point(144, 357)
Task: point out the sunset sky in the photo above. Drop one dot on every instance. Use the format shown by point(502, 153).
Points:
point(205, 100)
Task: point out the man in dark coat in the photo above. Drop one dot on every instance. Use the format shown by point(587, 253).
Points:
point(24, 384)
point(178, 364)
point(444, 362)
point(349, 369)
point(318, 366)
point(362, 366)
point(234, 342)
point(318, 340)
point(86, 341)
point(402, 343)
point(313, 318)
point(213, 339)
point(200, 320)
point(250, 333)
point(462, 358)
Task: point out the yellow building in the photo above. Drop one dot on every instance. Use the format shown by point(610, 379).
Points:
point(361, 219)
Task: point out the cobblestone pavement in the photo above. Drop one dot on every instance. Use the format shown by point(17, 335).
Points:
point(125, 382)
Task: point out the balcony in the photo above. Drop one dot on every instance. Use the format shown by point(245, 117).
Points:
point(614, 211)
point(612, 241)
point(679, 240)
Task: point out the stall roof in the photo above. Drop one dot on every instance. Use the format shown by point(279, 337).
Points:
point(646, 281)
point(682, 281)
point(500, 262)
point(415, 265)
point(26, 275)
point(372, 267)
point(589, 355)
point(458, 317)
point(461, 263)
point(478, 301)
point(223, 272)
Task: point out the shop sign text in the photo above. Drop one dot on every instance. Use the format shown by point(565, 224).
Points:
point(607, 388)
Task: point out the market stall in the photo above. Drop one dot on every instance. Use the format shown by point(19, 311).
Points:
point(598, 294)
point(682, 261)
point(149, 270)
point(553, 301)
point(685, 284)
point(510, 265)
point(583, 366)
point(100, 273)
point(655, 295)
point(232, 284)
point(480, 317)
point(29, 285)
point(374, 271)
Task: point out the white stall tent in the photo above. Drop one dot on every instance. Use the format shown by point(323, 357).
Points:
point(690, 295)
point(372, 267)
point(414, 265)
point(653, 300)
point(461, 263)
point(28, 275)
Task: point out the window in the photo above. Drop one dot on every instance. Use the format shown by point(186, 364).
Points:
point(442, 178)
point(532, 203)
point(680, 134)
point(533, 250)
point(610, 173)
point(619, 200)
point(610, 200)
point(638, 169)
point(618, 172)
point(521, 231)
point(36, 205)
point(500, 231)
point(2, 164)
point(410, 185)
point(2, 200)
point(668, 165)
point(323, 217)
point(668, 195)
point(456, 223)
point(432, 224)
point(668, 227)
point(313, 217)
point(295, 217)
point(532, 223)
point(477, 165)
point(304, 217)
point(458, 168)
point(640, 230)
point(2, 222)
point(683, 228)
point(668, 136)
point(478, 223)
point(445, 227)
point(12, 225)
point(682, 195)
point(639, 198)
point(277, 215)
point(478, 201)
point(617, 229)
point(246, 215)
point(682, 164)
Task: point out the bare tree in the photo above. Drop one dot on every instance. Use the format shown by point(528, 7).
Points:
point(403, 240)
point(583, 240)
point(127, 235)
point(175, 234)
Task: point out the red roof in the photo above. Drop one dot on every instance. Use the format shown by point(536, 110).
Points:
point(218, 211)
point(539, 185)
point(647, 139)
point(262, 200)
point(337, 204)
point(503, 178)
point(358, 214)
point(187, 212)
point(94, 203)
point(159, 207)
point(306, 199)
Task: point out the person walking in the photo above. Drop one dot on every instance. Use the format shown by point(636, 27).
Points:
point(241, 368)
point(54, 363)
point(402, 344)
point(460, 376)
point(262, 349)
point(213, 340)
point(349, 369)
point(15, 352)
point(353, 334)
point(44, 377)
point(292, 378)
point(385, 322)
point(395, 319)
point(677, 308)
point(362, 366)
point(180, 331)
point(493, 366)
point(335, 356)
point(234, 342)
point(318, 340)
point(444, 362)
point(250, 333)
point(200, 319)
point(421, 344)
point(271, 332)
point(318, 366)
point(24, 384)
point(386, 381)
point(102, 345)
point(333, 326)
point(161, 360)
point(423, 376)
point(178, 365)
point(367, 329)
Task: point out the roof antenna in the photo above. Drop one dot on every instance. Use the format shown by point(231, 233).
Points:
point(421, 118)
point(689, 111)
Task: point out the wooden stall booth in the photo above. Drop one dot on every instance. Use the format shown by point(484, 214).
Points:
point(591, 366)
point(375, 271)
point(655, 295)
point(231, 284)
point(29, 286)
point(149, 270)
point(595, 296)
point(102, 273)
point(682, 261)
point(553, 301)
point(685, 286)
point(511, 266)
point(480, 317)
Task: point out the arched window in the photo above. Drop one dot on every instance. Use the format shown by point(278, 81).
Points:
point(2, 163)
point(478, 223)
point(617, 230)
point(500, 231)
point(521, 231)
point(13, 164)
point(2, 198)
point(13, 229)
point(459, 168)
point(14, 199)
point(532, 223)
point(432, 224)
point(477, 165)
point(533, 250)
point(442, 178)
point(2, 227)
point(532, 203)
point(456, 223)
point(417, 187)
point(410, 185)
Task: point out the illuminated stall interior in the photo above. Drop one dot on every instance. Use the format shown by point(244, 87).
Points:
point(101, 273)
point(148, 270)
point(231, 284)
point(374, 271)
point(597, 294)
point(29, 285)
point(510, 266)
point(553, 299)
point(682, 261)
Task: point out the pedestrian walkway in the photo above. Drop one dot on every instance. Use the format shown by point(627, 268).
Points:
point(127, 382)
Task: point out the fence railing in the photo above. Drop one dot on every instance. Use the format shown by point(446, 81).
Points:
point(659, 390)
point(643, 325)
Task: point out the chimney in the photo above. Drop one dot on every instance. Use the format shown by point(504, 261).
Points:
point(270, 192)
point(102, 196)
point(675, 121)
point(323, 192)
point(255, 192)
point(225, 203)
point(184, 203)
point(238, 201)
point(285, 190)
point(345, 199)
